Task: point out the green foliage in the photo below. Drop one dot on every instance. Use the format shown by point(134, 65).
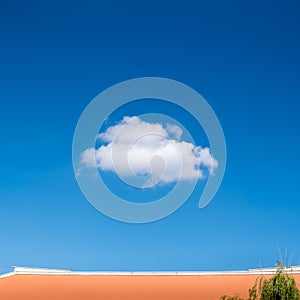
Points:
point(235, 297)
point(279, 287)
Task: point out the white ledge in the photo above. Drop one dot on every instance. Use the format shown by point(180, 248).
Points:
point(44, 271)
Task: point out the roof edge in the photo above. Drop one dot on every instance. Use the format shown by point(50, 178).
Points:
point(46, 271)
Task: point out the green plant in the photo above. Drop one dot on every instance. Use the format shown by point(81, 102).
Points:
point(281, 286)
point(235, 297)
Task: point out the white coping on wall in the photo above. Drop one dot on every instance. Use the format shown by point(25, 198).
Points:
point(44, 271)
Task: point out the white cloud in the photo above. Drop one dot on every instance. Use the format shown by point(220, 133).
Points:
point(137, 148)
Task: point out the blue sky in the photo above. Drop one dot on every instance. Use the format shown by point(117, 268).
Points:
point(243, 57)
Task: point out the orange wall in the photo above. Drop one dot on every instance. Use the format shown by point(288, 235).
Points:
point(133, 287)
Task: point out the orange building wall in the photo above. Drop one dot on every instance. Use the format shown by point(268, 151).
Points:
point(133, 287)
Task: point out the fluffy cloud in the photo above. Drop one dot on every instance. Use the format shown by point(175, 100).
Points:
point(135, 148)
